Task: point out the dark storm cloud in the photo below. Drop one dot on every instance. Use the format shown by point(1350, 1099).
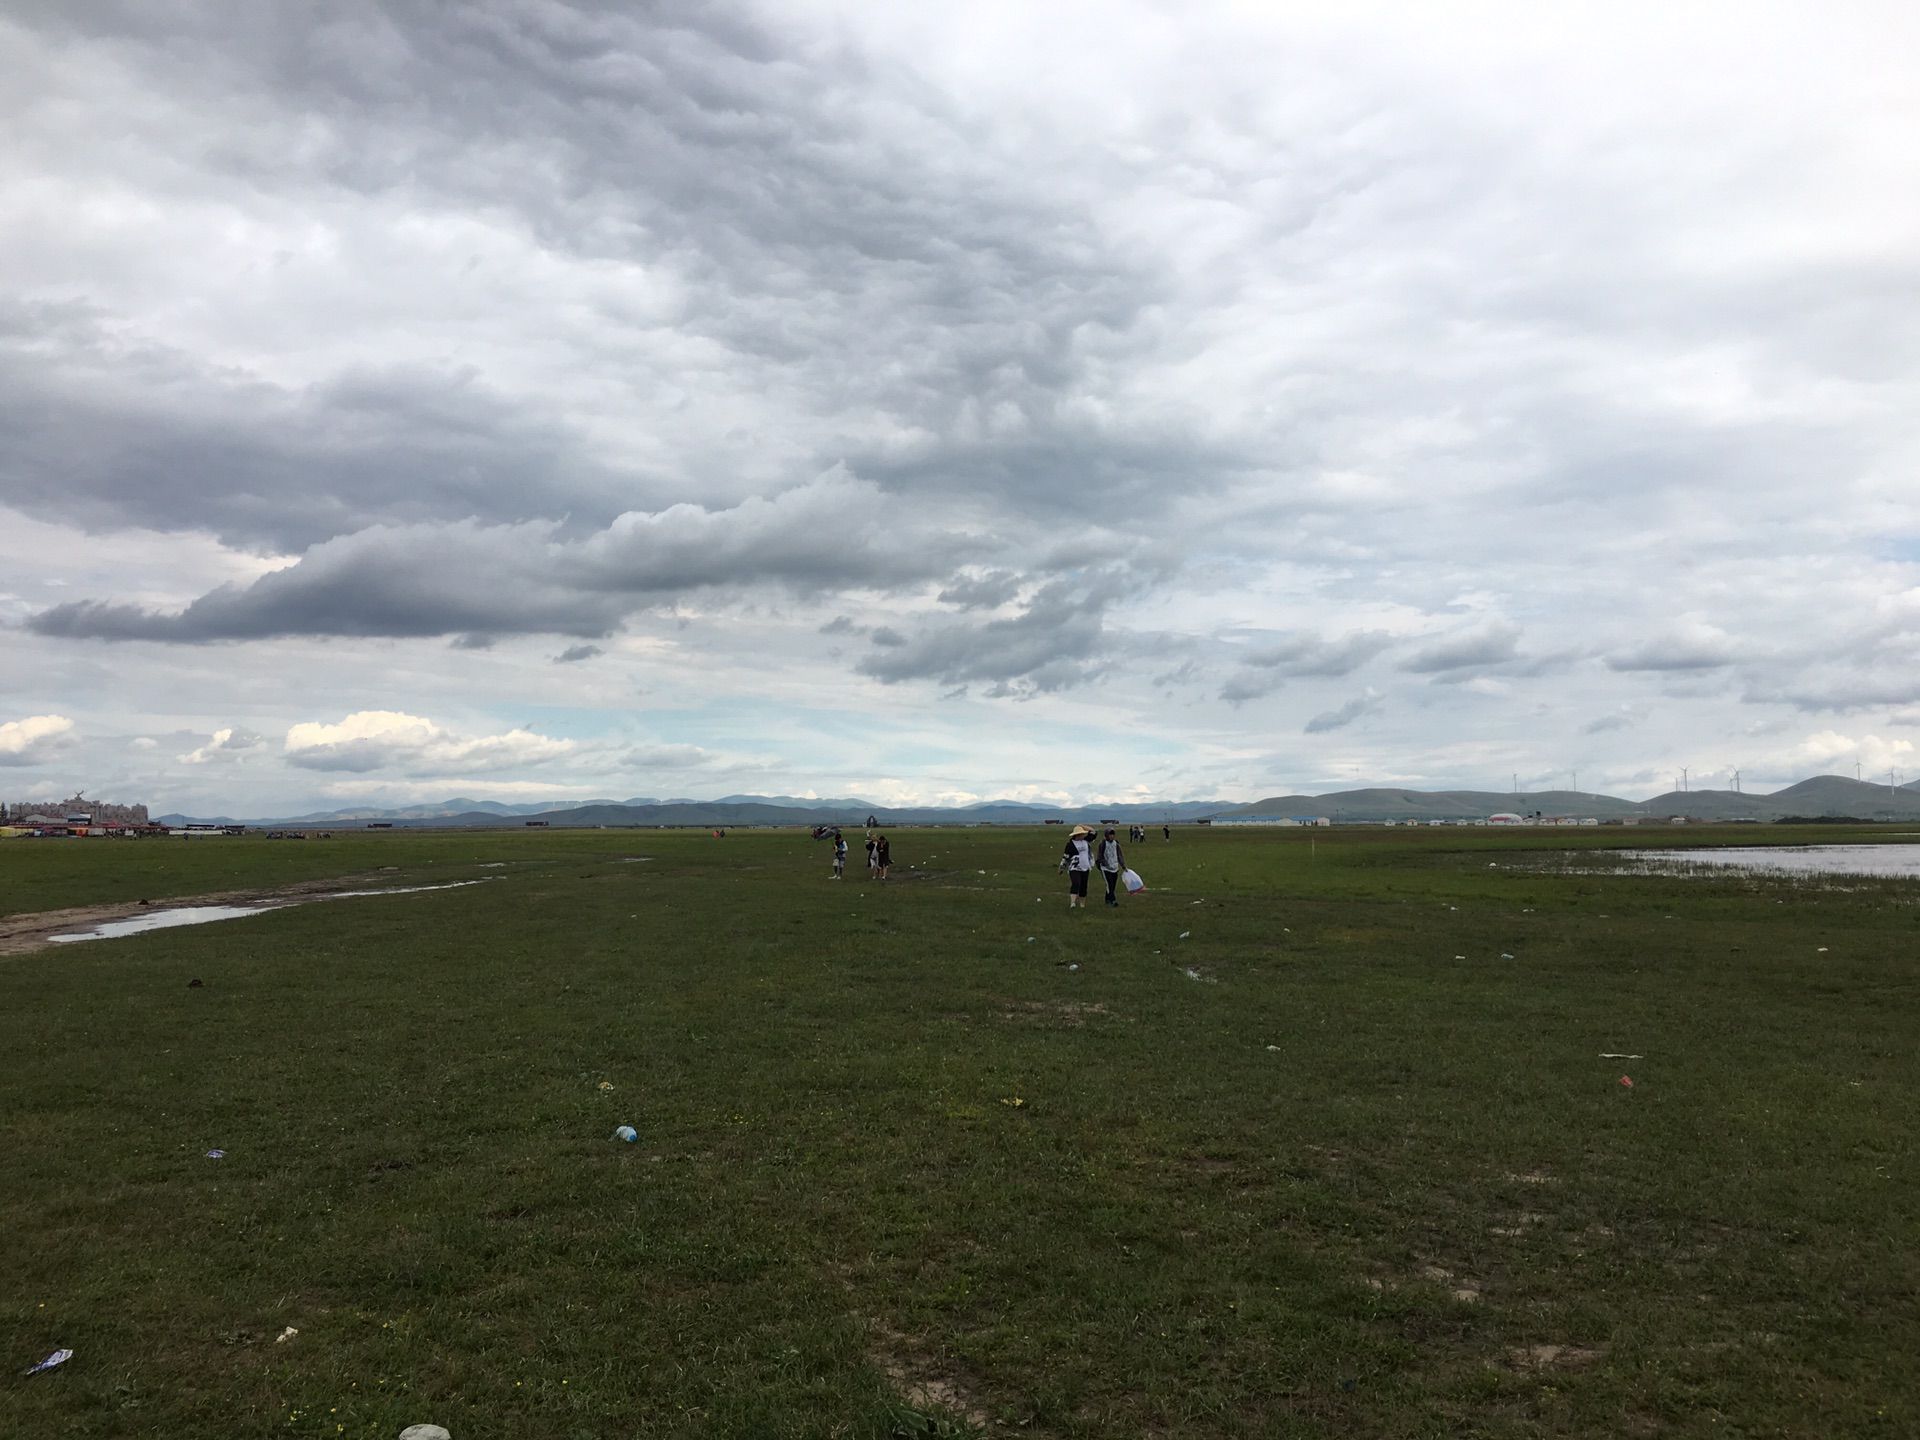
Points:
point(832, 233)
point(484, 581)
point(101, 436)
point(1057, 641)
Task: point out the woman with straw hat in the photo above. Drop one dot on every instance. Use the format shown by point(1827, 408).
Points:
point(1077, 861)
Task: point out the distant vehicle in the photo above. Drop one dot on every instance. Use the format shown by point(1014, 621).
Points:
point(379, 825)
point(538, 824)
point(1056, 822)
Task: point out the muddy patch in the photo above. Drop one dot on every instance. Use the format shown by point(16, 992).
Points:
point(1555, 1357)
point(1067, 1013)
point(925, 1386)
point(1463, 1288)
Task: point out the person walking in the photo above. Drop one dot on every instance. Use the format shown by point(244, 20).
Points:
point(839, 856)
point(1077, 861)
point(873, 858)
point(882, 855)
point(1112, 860)
point(1166, 832)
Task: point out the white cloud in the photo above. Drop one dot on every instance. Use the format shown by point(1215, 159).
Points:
point(1831, 752)
point(388, 739)
point(228, 743)
point(32, 740)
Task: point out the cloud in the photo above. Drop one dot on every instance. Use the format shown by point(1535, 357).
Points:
point(1691, 647)
point(385, 739)
point(1605, 724)
point(988, 591)
point(143, 743)
point(224, 744)
point(483, 581)
point(573, 654)
point(1479, 647)
point(32, 740)
point(1267, 666)
point(1056, 642)
point(1344, 715)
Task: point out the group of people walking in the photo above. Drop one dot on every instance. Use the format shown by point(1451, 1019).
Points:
point(879, 856)
point(1087, 850)
point(1086, 853)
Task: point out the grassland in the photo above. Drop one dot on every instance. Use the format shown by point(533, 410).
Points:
point(1317, 1140)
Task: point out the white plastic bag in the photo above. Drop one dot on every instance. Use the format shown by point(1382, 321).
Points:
point(1131, 879)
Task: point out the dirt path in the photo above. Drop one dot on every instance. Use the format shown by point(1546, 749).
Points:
point(23, 934)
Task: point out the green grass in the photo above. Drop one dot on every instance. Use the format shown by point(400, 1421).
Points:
point(1341, 1184)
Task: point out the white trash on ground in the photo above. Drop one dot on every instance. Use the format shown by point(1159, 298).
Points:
point(58, 1357)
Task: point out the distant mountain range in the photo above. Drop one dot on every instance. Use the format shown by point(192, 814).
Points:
point(1822, 796)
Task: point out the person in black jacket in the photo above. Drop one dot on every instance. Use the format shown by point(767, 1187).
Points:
point(1111, 860)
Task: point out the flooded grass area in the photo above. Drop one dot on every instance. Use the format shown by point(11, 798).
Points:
point(1892, 861)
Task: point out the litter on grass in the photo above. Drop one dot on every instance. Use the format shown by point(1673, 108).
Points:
point(1627, 1080)
point(58, 1357)
point(216, 1154)
point(285, 1335)
point(606, 1084)
point(1185, 933)
point(1505, 956)
point(1617, 1055)
point(1193, 974)
point(626, 1133)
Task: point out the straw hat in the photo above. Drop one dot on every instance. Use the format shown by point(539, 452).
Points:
point(1078, 831)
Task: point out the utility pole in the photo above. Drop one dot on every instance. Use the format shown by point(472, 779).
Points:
point(1684, 782)
point(1736, 782)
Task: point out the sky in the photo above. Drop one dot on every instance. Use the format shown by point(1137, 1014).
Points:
point(522, 401)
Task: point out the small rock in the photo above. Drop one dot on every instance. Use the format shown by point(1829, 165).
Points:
point(195, 984)
point(426, 1432)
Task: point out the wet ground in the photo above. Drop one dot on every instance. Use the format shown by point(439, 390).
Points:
point(1887, 861)
point(21, 934)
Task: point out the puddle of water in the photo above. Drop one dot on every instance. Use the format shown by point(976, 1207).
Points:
point(206, 914)
point(1887, 861)
point(396, 890)
point(161, 920)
